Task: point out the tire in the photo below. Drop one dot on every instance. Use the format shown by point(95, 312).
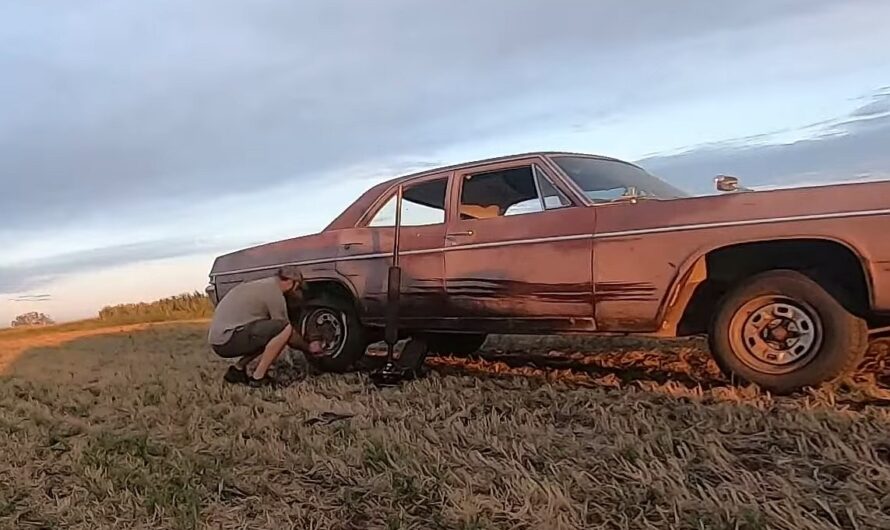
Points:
point(326, 310)
point(826, 340)
point(458, 344)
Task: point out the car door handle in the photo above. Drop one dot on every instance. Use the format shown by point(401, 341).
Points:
point(347, 246)
point(455, 234)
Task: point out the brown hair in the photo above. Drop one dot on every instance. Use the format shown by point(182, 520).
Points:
point(290, 272)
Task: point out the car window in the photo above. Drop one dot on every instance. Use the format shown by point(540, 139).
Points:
point(512, 191)
point(422, 204)
point(553, 198)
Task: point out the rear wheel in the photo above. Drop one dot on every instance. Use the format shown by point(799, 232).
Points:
point(335, 322)
point(783, 331)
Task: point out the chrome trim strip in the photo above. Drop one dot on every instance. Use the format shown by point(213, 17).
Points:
point(747, 222)
point(512, 242)
point(574, 237)
point(325, 260)
point(567, 181)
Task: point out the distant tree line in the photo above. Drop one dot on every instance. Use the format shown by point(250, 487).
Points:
point(32, 319)
point(185, 306)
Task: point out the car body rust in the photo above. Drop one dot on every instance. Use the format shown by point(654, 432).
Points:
point(630, 264)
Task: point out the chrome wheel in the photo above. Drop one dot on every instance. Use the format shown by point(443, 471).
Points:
point(775, 335)
point(329, 326)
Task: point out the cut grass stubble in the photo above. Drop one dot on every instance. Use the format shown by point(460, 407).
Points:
point(136, 430)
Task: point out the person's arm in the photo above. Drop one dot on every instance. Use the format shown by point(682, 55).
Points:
point(276, 305)
point(297, 342)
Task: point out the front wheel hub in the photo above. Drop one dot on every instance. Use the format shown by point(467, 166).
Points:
point(328, 326)
point(775, 335)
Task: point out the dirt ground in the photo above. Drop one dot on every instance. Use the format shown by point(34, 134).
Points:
point(134, 429)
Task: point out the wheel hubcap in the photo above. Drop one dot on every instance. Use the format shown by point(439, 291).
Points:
point(775, 334)
point(329, 326)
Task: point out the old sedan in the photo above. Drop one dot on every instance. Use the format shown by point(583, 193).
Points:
point(786, 283)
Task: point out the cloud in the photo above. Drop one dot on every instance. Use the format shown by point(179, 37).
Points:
point(32, 298)
point(852, 147)
point(879, 105)
point(109, 105)
point(133, 117)
point(19, 277)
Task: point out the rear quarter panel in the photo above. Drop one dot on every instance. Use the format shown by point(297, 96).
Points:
point(314, 254)
point(642, 250)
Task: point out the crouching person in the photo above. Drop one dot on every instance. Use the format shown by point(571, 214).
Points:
point(251, 322)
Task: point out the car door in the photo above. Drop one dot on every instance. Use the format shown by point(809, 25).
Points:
point(518, 251)
point(366, 252)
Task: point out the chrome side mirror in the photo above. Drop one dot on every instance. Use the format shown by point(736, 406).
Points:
point(728, 183)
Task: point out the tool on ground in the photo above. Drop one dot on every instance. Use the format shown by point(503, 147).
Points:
point(393, 373)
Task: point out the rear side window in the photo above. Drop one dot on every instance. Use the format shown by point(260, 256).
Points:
point(505, 192)
point(422, 204)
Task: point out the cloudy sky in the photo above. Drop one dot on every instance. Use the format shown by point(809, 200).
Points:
point(140, 139)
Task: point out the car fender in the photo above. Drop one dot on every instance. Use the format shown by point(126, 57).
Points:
point(693, 272)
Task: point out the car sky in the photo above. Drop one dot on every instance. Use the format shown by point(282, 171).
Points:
point(140, 139)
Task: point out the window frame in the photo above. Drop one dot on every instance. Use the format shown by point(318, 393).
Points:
point(384, 198)
point(538, 171)
point(538, 167)
point(581, 195)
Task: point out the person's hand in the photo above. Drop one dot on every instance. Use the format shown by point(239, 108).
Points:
point(315, 347)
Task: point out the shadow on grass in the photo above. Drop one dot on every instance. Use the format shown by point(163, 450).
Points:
point(627, 373)
point(646, 363)
point(621, 360)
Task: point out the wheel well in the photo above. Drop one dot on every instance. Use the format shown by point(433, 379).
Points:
point(834, 266)
point(316, 289)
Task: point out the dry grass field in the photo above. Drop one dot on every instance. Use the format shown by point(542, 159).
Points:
point(134, 429)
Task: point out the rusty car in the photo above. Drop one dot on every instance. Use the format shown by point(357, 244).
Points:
point(787, 284)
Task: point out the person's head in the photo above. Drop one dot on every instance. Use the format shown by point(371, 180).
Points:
point(290, 279)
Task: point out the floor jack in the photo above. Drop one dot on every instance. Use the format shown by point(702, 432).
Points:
point(408, 363)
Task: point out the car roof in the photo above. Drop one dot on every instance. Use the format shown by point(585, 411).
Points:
point(493, 160)
point(354, 211)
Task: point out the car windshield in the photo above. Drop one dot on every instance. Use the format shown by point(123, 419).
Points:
point(605, 180)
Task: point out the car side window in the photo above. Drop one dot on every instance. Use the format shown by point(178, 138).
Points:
point(422, 204)
point(552, 197)
point(512, 191)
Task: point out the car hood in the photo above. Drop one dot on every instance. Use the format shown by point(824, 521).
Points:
point(787, 204)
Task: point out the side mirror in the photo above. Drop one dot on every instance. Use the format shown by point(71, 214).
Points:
point(728, 183)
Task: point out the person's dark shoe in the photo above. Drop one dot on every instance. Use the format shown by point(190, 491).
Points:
point(236, 376)
point(266, 382)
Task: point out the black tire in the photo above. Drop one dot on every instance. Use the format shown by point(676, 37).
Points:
point(345, 353)
point(458, 344)
point(827, 341)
